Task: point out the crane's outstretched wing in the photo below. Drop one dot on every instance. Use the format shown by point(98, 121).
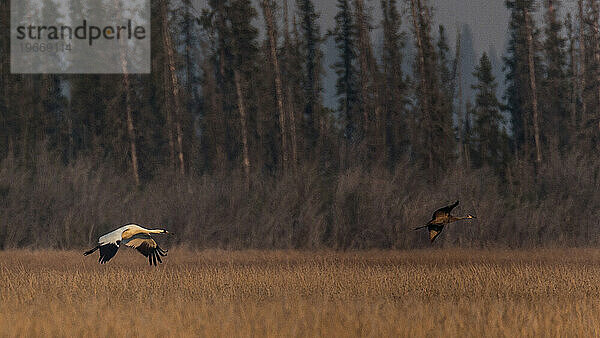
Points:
point(108, 245)
point(444, 211)
point(147, 247)
point(434, 231)
point(433, 234)
point(107, 251)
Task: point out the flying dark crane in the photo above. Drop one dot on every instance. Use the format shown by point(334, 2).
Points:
point(440, 218)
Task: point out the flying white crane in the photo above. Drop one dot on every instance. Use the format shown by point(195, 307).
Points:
point(133, 236)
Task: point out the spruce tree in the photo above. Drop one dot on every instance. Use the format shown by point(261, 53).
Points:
point(233, 64)
point(395, 96)
point(310, 50)
point(292, 72)
point(555, 91)
point(446, 100)
point(572, 74)
point(433, 139)
point(345, 68)
point(490, 143)
point(519, 93)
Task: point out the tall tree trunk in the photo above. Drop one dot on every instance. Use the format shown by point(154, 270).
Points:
point(369, 78)
point(582, 73)
point(129, 112)
point(242, 110)
point(130, 128)
point(415, 5)
point(466, 149)
point(457, 78)
point(292, 117)
point(596, 33)
point(290, 99)
point(71, 146)
point(168, 45)
point(573, 79)
point(278, 87)
point(25, 113)
point(376, 100)
point(214, 116)
point(364, 64)
point(534, 102)
point(188, 52)
point(169, 118)
point(286, 28)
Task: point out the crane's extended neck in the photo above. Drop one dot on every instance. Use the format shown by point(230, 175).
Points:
point(157, 231)
point(454, 219)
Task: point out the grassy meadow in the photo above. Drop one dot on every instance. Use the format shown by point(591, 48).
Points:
point(289, 293)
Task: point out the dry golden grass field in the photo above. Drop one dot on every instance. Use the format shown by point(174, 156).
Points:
point(300, 294)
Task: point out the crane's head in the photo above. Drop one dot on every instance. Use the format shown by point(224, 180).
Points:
point(469, 216)
point(164, 231)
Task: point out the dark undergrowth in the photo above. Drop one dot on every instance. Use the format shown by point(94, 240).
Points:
point(52, 205)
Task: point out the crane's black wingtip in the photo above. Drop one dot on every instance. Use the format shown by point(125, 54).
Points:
point(91, 251)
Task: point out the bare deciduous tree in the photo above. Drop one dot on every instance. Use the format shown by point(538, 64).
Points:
point(532, 83)
point(267, 11)
point(582, 52)
point(174, 86)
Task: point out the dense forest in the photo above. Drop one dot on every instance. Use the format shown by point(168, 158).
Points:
point(228, 142)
